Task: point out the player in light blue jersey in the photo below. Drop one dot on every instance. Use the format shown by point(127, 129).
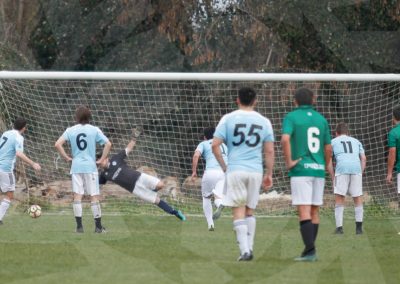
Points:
point(212, 174)
point(350, 164)
point(247, 135)
point(83, 138)
point(11, 146)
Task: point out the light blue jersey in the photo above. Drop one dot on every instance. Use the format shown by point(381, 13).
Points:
point(245, 132)
point(206, 152)
point(83, 139)
point(11, 142)
point(346, 151)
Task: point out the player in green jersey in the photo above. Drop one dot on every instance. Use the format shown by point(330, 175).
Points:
point(306, 148)
point(394, 148)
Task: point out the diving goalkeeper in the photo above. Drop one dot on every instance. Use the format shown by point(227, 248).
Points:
point(140, 184)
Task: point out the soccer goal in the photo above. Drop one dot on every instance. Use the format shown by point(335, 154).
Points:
point(173, 109)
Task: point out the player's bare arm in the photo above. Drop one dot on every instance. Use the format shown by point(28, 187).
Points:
point(195, 161)
point(330, 170)
point(136, 132)
point(25, 158)
point(106, 150)
point(328, 155)
point(363, 160)
point(59, 146)
point(216, 149)
point(390, 163)
point(269, 158)
point(287, 152)
point(130, 146)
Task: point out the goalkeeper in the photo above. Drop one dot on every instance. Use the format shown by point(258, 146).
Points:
point(140, 184)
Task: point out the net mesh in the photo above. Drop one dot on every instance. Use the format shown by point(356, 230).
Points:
point(173, 115)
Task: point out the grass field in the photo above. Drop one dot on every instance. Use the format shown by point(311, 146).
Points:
point(161, 249)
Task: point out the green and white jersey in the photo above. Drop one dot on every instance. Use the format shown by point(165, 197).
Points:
point(309, 133)
point(394, 141)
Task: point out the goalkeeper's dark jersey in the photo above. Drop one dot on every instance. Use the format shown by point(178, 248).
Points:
point(119, 172)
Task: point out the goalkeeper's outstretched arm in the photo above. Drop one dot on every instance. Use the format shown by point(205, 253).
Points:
point(135, 135)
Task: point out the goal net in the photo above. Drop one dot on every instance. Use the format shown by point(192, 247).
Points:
point(173, 109)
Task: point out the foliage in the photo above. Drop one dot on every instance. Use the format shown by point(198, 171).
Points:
point(207, 35)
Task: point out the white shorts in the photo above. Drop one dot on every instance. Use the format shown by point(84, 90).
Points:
point(144, 188)
point(307, 190)
point(398, 183)
point(209, 180)
point(242, 189)
point(86, 183)
point(351, 184)
point(218, 190)
point(7, 182)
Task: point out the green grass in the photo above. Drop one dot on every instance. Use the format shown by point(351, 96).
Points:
point(161, 249)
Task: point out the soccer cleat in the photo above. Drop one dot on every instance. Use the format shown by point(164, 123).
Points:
point(1, 222)
point(307, 258)
point(211, 228)
point(79, 230)
point(359, 231)
point(245, 257)
point(339, 231)
point(251, 255)
point(218, 212)
point(180, 215)
point(100, 230)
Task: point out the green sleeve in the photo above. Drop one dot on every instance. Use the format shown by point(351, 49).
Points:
point(287, 126)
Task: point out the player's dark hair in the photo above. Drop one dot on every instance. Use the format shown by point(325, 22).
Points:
point(342, 128)
point(83, 115)
point(396, 113)
point(303, 96)
point(19, 123)
point(209, 132)
point(246, 96)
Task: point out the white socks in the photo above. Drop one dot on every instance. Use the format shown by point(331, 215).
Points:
point(240, 227)
point(5, 203)
point(207, 209)
point(359, 213)
point(96, 209)
point(218, 202)
point(339, 215)
point(77, 206)
point(251, 230)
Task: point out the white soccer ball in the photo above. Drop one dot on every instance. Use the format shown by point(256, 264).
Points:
point(35, 211)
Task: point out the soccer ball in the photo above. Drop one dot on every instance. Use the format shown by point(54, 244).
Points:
point(35, 211)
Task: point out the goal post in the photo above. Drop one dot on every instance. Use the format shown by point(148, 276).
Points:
point(173, 109)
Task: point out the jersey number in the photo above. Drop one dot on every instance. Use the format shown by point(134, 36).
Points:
point(345, 148)
point(242, 136)
point(312, 140)
point(4, 142)
point(80, 142)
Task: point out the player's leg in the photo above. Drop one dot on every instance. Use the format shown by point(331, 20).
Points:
point(77, 188)
point(317, 201)
point(254, 185)
point(207, 184)
point(241, 229)
point(236, 197)
point(92, 188)
point(144, 190)
point(218, 192)
point(355, 190)
point(7, 185)
point(302, 188)
point(341, 186)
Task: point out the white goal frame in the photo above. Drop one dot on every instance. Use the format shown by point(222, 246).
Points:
point(160, 76)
